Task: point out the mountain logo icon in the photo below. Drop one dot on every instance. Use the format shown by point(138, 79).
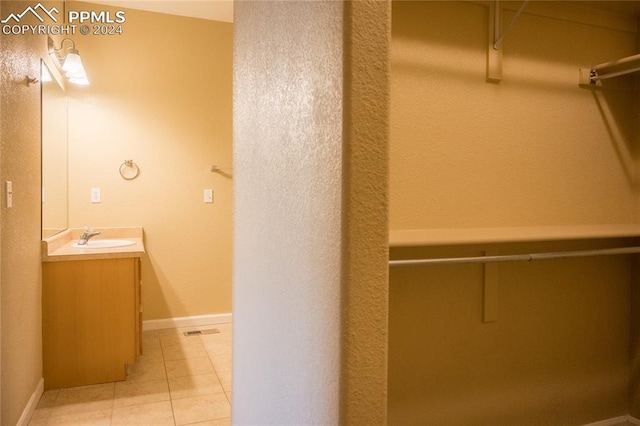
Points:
point(34, 11)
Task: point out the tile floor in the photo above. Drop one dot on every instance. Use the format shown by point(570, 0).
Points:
point(179, 380)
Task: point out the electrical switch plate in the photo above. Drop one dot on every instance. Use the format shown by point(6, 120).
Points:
point(9, 192)
point(208, 195)
point(95, 195)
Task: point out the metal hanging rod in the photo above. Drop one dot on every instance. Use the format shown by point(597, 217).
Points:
point(516, 257)
point(619, 67)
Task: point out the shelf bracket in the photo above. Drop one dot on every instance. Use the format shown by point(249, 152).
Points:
point(496, 38)
point(491, 291)
point(494, 56)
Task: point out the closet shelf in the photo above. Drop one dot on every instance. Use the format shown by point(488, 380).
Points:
point(617, 68)
point(460, 236)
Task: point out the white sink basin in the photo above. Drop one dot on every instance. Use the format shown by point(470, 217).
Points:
point(101, 244)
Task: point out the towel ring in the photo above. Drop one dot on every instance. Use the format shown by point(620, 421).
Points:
point(129, 170)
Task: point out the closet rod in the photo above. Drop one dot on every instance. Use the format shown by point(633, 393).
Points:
point(515, 257)
point(597, 76)
point(599, 72)
point(616, 63)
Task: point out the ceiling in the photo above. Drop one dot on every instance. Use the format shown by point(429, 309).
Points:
point(214, 10)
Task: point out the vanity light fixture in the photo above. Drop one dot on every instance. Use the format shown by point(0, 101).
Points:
point(70, 61)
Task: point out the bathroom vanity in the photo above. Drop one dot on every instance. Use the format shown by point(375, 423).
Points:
point(91, 307)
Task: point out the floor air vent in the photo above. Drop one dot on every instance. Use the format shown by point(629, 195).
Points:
point(201, 332)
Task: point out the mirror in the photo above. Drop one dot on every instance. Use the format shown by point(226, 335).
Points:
point(54, 154)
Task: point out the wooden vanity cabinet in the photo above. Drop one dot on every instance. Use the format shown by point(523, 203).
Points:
point(91, 313)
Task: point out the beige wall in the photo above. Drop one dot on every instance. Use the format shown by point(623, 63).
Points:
point(533, 150)
point(160, 94)
point(310, 149)
point(366, 203)
point(21, 333)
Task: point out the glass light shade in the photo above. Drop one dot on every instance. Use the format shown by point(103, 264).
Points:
point(72, 64)
point(74, 70)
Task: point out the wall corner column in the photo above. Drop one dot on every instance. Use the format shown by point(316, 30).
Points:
point(365, 215)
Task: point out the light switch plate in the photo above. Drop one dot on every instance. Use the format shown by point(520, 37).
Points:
point(9, 192)
point(208, 195)
point(95, 195)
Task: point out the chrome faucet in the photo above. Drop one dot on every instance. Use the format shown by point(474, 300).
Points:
point(86, 236)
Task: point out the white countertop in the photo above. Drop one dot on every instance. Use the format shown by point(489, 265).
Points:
point(58, 248)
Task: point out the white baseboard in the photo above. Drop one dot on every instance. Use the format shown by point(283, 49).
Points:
point(31, 405)
point(616, 421)
point(179, 322)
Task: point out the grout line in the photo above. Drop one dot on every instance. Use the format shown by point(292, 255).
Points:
point(166, 374)
point(113, 401)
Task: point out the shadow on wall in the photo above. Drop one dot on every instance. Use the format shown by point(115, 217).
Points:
point(614, 100)
point(154, 282)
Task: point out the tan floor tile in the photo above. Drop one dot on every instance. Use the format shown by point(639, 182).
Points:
point(41, 414)
point(85, 393)
point(45, 405)
point(48, 398)
point(201, 393)
point(201, 408)
point(171, 340)
point(155, 413)
point(136, 393)
point(145, 371)
point(188, 349)
point(188, 386)
point(93, 418)
point(216, 346)
point(150, 341)
point(151, 355)
point(225, 379)
point(84, 399)
point(220, 337)
point(224, 328)
point(188, 367)
point(221, 361)
point(177, 332)
point(169, 332)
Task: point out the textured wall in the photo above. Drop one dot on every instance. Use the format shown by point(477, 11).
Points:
point(160, 94)
point(287, 222)
point(534, 149)
point(310, 204)
point(21, 333)
point(366, 284)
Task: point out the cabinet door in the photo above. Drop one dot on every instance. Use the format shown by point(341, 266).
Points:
point(90, 321)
